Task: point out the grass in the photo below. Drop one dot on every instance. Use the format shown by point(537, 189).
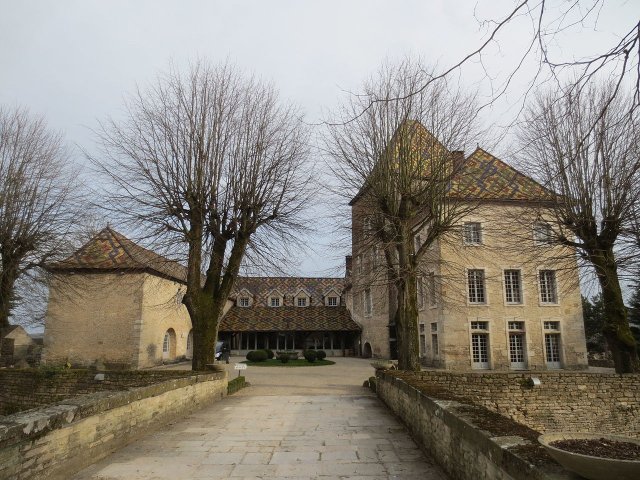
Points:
point(300, 362)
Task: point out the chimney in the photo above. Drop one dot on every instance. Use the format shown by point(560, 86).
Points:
point(457, 157)
point(348, 260)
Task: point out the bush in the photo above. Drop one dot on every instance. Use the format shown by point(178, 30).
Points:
point(321, 354)
point(283, 357)
point(270, 354)
point(310, 355)
point(257, 356)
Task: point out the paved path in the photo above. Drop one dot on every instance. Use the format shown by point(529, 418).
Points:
point(303, 423)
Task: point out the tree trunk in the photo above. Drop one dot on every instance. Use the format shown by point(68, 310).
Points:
point(8, 276)
point(616, 324)
point(205, 315)
point(407, 308)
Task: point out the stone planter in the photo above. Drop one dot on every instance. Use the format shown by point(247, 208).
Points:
point(383, 365)
point(593, 468)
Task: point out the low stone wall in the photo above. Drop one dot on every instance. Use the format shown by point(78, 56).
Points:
point(564, 401)
point(56, 441)
point(23, 389)
point(464, 447)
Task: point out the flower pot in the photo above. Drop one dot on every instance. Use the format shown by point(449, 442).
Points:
point(593, 468)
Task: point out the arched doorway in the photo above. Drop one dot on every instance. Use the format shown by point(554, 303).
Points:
point(366, 350)
point(169, 345)
point(189, 351)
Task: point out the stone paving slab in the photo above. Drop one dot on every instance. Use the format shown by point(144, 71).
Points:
point(283, 436)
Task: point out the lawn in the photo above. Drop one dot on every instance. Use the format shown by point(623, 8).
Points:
point(300, 362)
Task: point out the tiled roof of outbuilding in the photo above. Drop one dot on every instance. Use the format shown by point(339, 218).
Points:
point(110, 250)
point(315, 287)
point(282, 319)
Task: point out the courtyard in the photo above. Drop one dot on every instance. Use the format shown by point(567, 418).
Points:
point(304, 422)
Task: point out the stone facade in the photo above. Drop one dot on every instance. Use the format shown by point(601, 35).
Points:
point(115, 319)
point(492, 293)
point(55, 442)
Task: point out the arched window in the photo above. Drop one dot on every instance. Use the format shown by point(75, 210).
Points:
point(169, 345)
point(189, 353)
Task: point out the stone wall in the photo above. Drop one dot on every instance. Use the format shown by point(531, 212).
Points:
point(569, 401)
point(30, 388)
point(55, 442)
point(463, 447)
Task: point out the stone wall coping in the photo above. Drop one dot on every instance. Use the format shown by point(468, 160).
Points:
point(496, 448)
point(31, 424)
point(528, 373)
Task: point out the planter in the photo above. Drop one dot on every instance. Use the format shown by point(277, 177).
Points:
point(383, 365)
point(593, 468)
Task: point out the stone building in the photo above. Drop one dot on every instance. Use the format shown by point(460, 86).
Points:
point(116, 303)
point(17, 345)
point(290, 313)
point(119, 304)
point(492, 294)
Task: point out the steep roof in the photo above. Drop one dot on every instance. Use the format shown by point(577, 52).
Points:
point(314, 286)
point(112, 251)
point(486, 177)
point(282, 319)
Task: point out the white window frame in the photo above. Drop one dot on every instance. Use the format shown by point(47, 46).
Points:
point(301, 301)
point(475, 239)
point(332, 301)
point(244, 302)
point(484, 287)
point(480, 326)
point(552, 326)
point(556, 294)
point(520, 287)
point(435, 345)
point(517, 327)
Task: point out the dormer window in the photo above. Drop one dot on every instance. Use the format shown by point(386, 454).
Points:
point(275, 299)
point(332, 301)
point(302, 298)
point(302, 301)
point(244, 298)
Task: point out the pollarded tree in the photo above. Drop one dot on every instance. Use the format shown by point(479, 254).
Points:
point(396, 159)
point(38, 200)
point(583, 144)
point(206, 161)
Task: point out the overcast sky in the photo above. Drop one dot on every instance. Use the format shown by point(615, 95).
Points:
point(73, 61)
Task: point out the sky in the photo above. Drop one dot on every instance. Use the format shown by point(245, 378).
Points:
point(75, 61)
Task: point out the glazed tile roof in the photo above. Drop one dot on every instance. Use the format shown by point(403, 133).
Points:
point(261, 287)
point(280, 319)
point(110, 250)
point(486, 177)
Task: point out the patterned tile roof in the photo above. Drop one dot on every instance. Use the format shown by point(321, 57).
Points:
point(261, 287)
point(280, 319)
point(110, 250)
point(486, 177)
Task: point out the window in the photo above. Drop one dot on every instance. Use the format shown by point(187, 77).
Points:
point(552, 344)
point(480, 350)
point(434, 327)
point(542, 233)
point(433, 300)
point(471, 233)
point(513, 286)
point(422, 328)
point(476, 286)
point(366, 297)
point(166, 343)
point(552, 326)
point(423, 340)
point(332, 301)
point(302, 301)
point(517, 356)
point(434, 338)
point(244, 301)
point(359, 263)
point(275, 301)
point(548, 291)
point(479, 325)
point(420, 292)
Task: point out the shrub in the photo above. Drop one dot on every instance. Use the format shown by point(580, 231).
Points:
point(372, 383)
point(257, 356)
point(310, 355)
point(270, 354)
point(321, 354)
point(283, 357)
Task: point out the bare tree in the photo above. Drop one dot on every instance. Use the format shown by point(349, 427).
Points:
point(38, 200)
point(206, 161)
point(397, 161)
point(583, 144)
